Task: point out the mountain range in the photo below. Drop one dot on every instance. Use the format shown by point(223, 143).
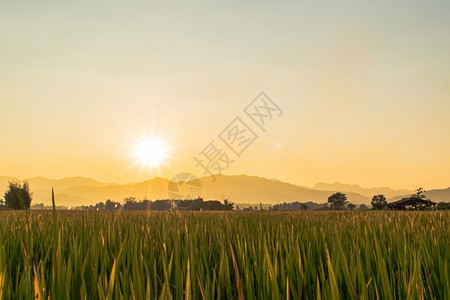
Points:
point(356, 188)
point(76, 191)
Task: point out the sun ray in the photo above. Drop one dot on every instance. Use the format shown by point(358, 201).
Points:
point(150, 152)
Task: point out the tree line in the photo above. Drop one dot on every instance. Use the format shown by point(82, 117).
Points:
point(339, 201)
point(130, 203)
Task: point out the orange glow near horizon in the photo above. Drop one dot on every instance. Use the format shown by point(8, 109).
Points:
point(363, 88)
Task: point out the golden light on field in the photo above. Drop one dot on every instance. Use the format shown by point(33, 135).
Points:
point(151, 151)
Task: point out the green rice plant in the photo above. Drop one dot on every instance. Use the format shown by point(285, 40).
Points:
point(223, 255)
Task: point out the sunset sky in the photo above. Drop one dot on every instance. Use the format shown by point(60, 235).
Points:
point(364, 87)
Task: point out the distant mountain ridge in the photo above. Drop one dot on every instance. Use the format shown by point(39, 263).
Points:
point(253, 189)
point(76, 191)
point(356, 188)
point(59, 183)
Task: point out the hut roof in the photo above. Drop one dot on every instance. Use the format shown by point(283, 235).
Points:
point(410, 200)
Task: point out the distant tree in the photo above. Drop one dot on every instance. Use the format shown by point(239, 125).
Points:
point(185, 204)
point(338, 201)
point(18, 196)
point(146, 204)
point(161, 205)
point(419, 196)
point(443, 206)
point(111, 205)
point(289, 206)
point(324, 206)
point(379, 202)
point(213, 205)
point(363, 207)
point(228, 204)
point(129, 200)
point(351, 206)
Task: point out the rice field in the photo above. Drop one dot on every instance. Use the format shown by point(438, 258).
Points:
point(218, 255)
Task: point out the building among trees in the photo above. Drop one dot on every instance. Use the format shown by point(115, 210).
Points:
point(412, 203)
point(417, 201)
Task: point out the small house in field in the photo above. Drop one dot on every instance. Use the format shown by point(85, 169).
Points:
point(412, 203)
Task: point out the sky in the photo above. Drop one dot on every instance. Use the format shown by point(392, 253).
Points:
point(363, 86)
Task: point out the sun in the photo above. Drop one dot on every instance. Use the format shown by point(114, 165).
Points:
point(151, 151)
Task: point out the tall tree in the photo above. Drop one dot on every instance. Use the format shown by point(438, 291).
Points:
point(418, 198)
point(228, 204)
point(420, 194)
point(379, 202)
point(18, 196)
point(338, 201)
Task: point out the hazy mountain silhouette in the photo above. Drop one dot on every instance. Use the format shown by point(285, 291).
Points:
point(356, 188)
point(46, 183)
point(238, 188)
point(153, 189)
point(253, 189)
